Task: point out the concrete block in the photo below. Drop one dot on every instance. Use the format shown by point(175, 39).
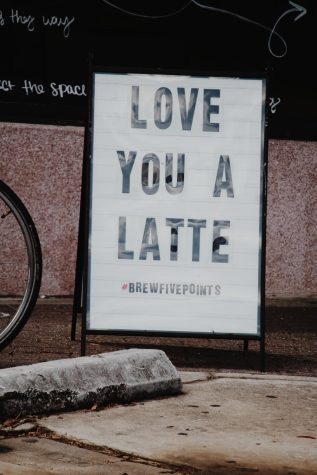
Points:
point(69, 384)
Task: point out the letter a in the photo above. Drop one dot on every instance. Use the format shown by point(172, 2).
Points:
point(224, 168)
point(150, 245)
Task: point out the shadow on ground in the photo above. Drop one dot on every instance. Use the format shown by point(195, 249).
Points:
point(290, 343)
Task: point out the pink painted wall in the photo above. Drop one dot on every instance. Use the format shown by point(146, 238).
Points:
point(43, 166)
point(292, 218)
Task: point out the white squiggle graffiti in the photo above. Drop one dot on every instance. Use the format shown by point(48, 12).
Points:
point(273, 33)
point(296, 8)
point(274, 103)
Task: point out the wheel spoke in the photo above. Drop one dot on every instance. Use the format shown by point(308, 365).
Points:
point(20, 261)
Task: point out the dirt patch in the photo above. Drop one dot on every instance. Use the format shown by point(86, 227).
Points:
point(290, 343)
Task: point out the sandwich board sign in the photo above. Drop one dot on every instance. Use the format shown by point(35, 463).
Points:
point(176, 205)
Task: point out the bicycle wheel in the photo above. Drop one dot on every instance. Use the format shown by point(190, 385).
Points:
point(20, 265)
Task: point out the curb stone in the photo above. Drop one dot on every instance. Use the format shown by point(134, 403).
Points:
point(78, 383)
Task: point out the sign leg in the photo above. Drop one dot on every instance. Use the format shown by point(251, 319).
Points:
point(262, 355)
point(78, 286)
point(77, 302)
point(83, 336)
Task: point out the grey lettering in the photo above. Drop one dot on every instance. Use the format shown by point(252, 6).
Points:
point(150, 245)
point(153, 287)
point(159, 122)
point(218, 241)
point(224, 168)
point(196, 224)
point(148, 188)
point(209, 108)
point(178, 188)
point(126, 168)
point(175, 223)
point(122, 252)
point(202, 290)
point(187, 115)
point(136, 123)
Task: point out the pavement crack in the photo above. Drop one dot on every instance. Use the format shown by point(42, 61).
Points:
point(44, 433)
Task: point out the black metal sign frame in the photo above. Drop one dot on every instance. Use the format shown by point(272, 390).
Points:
point(80, 303)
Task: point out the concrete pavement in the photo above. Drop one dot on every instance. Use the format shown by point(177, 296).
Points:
point(222, 423)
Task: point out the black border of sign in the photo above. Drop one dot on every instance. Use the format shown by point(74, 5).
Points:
point(82, 267)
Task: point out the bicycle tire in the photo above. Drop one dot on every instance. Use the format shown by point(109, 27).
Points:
point(18, 307)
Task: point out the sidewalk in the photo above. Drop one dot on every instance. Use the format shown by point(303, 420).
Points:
point(222, 423)
point(230, 419)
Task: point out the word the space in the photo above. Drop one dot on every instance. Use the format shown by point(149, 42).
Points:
point(60, 90)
